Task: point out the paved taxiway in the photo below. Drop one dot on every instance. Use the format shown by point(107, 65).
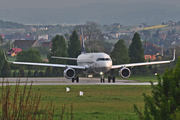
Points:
point(64, 81)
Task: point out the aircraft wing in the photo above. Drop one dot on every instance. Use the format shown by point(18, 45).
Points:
point(47, 64)
point(144, 63)
point(67, 58)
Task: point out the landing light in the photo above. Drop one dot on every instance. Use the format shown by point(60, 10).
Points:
point(101, 73)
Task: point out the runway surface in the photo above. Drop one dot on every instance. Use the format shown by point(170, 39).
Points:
point(64, 81)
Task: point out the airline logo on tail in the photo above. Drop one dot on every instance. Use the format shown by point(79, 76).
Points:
point(82, 44)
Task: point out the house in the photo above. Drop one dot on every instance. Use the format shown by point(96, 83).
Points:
point(26, 44)
point(43, 37)
point(46, 44)
point(113, 34)
point(8, 37)
point(29, 37)
point(150, 51)
point(2, 35)
point(162, 36)
point(14, 51)
point(143, 25)
point(117, 25)
point(171, 23)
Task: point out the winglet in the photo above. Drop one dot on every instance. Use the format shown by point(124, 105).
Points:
point(173, 56)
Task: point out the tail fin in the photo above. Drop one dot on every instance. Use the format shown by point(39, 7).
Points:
point(82, 44)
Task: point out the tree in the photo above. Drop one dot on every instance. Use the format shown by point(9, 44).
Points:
point(91, 30)
point(41, 74)
point(36, 73)
point(154, 40)
point(1, 40)
point(29, 56)
point(59, 48)
point(29, 73)
point(120, 54)
point(136, 52)
point(165, 99)
point(14, 73)
point(21, 72)
point(48, 72)
point(6, 70)
point(74, 47)
point(2, 60)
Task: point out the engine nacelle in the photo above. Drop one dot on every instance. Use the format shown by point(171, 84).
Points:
point(124, 72)
point(69, 73)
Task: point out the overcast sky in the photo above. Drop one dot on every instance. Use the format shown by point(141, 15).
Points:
point(8, 4)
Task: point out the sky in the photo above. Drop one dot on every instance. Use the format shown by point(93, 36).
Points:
point(11, 4)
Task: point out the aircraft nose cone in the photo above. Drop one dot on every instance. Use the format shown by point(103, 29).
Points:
point(105, 67)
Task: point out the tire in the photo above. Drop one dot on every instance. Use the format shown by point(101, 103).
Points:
point(72, 79)
point(109, 79)
point(77, 79)
point(103, 80)
point(113, 79)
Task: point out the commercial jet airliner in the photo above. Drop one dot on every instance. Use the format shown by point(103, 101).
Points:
point(93, 63)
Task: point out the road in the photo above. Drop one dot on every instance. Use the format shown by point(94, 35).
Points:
point(64, 81)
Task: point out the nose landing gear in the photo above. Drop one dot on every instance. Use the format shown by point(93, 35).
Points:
point(102, 77)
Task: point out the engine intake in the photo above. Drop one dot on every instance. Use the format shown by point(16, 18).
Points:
point(69, 73)
point(124, 72)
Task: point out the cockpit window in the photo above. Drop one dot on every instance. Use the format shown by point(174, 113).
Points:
point(103, 59)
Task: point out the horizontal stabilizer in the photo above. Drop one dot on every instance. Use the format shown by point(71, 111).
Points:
point(67, 58)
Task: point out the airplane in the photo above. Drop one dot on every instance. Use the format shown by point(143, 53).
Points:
point(93, 63)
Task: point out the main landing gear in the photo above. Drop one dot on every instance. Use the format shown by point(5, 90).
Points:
point(75, 78)
point(111, 77)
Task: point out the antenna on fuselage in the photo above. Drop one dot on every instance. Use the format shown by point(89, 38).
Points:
point(82, 44)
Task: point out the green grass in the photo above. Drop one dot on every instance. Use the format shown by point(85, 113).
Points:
point(143, 78)
point(11, 58)
point(100, 102)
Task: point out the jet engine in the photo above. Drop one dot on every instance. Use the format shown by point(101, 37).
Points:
point(69, 73)
point(124, 72)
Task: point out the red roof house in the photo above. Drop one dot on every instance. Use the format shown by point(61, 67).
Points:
point(14, 51)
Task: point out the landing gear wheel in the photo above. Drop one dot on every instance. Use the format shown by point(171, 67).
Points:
point(113, 79)
point(77, 79)
point(103, 80)
point(72, 79)
point(109, 79)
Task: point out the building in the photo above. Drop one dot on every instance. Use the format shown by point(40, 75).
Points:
point(26, 44)
point(46, 44)
point(43, 37)
point(150, 51)
point(14, 51)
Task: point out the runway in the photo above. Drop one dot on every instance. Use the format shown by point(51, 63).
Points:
point(64, 81)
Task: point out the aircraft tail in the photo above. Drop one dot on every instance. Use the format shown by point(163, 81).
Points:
point(82, 44)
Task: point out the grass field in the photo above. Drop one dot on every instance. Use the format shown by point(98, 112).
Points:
point(152, 27)
point(143, 78)
point(99, 102)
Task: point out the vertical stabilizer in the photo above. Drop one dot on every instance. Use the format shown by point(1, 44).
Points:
point(82, 44)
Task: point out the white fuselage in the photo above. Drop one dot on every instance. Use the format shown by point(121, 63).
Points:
point(95, 62)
